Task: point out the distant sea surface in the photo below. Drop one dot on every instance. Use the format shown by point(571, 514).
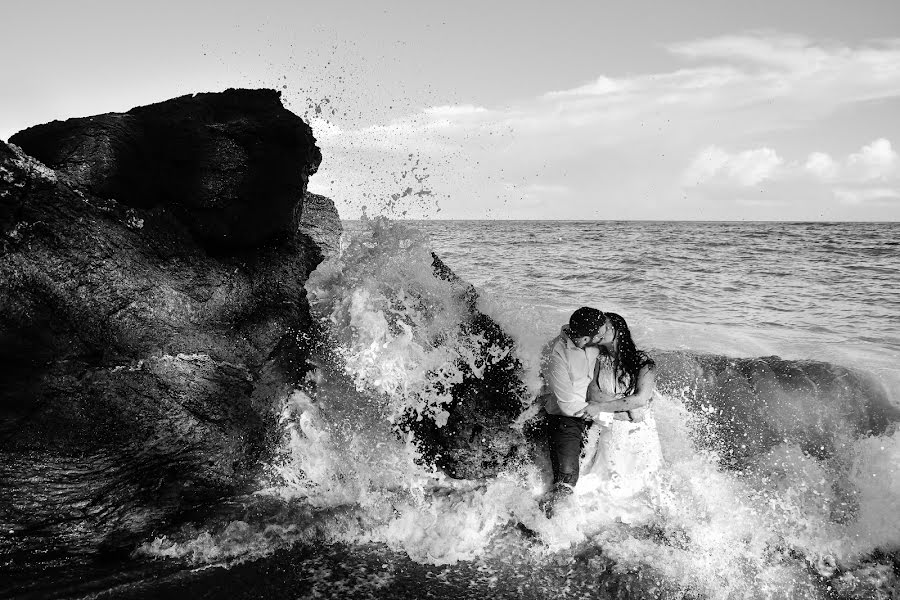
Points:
point(827, 291)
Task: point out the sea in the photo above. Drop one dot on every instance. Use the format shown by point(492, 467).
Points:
point(825, 291)
point(779, 354)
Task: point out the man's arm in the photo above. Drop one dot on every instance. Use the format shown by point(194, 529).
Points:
point(598, 402)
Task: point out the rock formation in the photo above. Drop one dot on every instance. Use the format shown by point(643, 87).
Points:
point(151, 292)
point(230, 166)
point(477, 440)
point(319, 221)
point(748, 405)
point(153, 316)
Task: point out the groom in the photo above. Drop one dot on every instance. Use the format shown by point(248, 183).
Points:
point(569, 372)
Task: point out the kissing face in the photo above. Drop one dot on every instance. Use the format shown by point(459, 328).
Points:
point(605, 335)
point(582, 341)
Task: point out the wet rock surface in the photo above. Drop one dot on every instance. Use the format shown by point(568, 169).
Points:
point(478, 439)
point(748, 405)
point(149, 309)
point(229, 166)
point(321, 223)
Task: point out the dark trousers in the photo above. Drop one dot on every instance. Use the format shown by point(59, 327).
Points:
point(566, 436)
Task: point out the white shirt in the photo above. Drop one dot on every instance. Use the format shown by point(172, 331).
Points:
point(568, 374)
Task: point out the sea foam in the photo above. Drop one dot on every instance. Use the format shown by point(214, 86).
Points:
point(785, 524)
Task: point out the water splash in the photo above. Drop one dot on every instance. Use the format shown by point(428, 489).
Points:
point(394, 325)
point(783, 522)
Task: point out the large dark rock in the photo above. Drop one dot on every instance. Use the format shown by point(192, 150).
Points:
point(230, 166)
point(144, 344)
point(746, 406)
point(478, 439)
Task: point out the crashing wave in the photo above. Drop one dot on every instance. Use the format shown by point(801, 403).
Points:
point(781, 477)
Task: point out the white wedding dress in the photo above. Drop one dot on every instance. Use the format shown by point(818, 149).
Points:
point(621, 459)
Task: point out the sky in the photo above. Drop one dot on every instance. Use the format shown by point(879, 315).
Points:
point(689, 110)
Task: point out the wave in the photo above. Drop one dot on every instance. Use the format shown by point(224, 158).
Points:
point(752, 404)
point(780, 481)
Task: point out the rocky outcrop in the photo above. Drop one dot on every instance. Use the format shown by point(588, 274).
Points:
point(153, 316)
point(477, 440)
point(151, 294)
point(749, 405)
point(230, 166)
point(320, 222)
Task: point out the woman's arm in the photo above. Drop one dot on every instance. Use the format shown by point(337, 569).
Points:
point(643, 388)
point(599, 402)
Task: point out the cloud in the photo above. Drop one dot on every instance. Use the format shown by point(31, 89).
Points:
point(455, 110)
point(821, 165)
point(746, 168)
point(324, 129)
point(875, 161)
point(744, 84)
point(786, 52)
point(867, 195)
point(753, 166)
point(600, 87)
point(870, 176)
point(708, 162)
point(725, 90)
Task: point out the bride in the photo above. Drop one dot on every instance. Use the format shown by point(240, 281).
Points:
point(622, 453)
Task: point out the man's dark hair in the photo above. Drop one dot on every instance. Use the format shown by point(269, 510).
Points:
point(586, 321)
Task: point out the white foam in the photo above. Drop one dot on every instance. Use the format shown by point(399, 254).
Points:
point(761, 533)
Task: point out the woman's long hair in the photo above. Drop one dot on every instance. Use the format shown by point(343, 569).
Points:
point(628, 360)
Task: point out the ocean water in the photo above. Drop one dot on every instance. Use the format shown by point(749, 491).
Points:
point(826, 291)
point(778, 346)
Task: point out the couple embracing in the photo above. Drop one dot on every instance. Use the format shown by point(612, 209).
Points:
point(599, 424)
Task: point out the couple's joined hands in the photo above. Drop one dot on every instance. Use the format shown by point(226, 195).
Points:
point(598, 402)
point(635, 415)
point(602, 402)
point(593, 409)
